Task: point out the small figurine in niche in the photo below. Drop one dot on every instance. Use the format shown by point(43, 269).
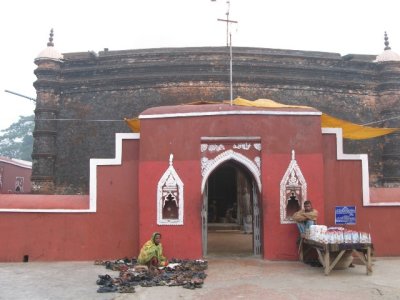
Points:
point(292, 205)
point(170, 208)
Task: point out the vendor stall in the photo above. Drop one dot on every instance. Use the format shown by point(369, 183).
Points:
point(331, 244)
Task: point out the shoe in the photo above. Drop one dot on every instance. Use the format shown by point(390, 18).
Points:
point(147, 284)
point(104, 279)
point(102, 282)
point(189, 286)
point(108, 265)
point(126, 289)
point(107, 289)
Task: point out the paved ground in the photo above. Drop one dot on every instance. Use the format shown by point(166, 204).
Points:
point(228, 278)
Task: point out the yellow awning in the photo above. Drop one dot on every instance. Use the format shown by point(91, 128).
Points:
point(350, 130)
point(263, 103)
point(353, 131)
point(134, 124)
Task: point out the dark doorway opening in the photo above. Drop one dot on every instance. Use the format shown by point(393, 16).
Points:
point(230, 211)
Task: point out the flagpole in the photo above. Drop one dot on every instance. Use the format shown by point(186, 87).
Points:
point(230, 67)
point(229, 44)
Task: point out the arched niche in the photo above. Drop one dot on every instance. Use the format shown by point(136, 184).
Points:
point(170, 200)
point(293, 191)
point(209, 165)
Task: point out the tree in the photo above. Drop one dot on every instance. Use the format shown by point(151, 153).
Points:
point(17, 141)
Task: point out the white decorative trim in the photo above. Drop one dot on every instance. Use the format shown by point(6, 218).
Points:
point(204, 164)
point(209, 165)
point(364, 166)
point(244, 146)
point(215, 148)
point(229, 138)
point(17, 162)
point(257, 146)
point(257, 160)
point(170, 185)
point(94, 162)
point(293, 178)
point(236, 112)
point(203, 147)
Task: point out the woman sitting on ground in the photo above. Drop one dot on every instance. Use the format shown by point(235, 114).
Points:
point(151, 252)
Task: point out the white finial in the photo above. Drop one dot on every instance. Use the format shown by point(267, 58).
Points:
point(171, 158)
point(293, 155)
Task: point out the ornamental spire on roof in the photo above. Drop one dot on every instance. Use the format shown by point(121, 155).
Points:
point(49, 52)
point(50, 43)
point(388, 54)
point(386, 42)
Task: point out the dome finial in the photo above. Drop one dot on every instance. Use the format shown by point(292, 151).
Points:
point(386, 42)
point(50, 43)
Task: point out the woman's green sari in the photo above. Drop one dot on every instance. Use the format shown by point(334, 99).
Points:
point(150, 251)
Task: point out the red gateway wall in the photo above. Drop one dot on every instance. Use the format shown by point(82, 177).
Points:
point(182, 137)
point(114, 221)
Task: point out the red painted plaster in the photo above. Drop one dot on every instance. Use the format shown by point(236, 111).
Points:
point(110, 233)
point(182, 137)
point(124, 220)
point(10, 171)
point(384, 195)
point(44, 201)
point(343, 188)
point(281, 238)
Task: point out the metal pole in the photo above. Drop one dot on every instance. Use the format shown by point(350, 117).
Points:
point(229, 44)
point(227, 24)
point(230, 67)
point(20, 95)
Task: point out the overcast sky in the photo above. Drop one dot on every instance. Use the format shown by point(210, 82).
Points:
point(341, 26)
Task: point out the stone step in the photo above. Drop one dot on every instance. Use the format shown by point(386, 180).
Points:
point(223, 226)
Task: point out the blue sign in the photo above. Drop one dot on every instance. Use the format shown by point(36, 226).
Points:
point(345, 215)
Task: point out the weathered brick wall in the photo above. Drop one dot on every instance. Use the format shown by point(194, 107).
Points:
point(112, 85)
point(389, 104)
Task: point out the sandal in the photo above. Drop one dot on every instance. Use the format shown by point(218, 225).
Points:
point(126, 289)
point(107, 289)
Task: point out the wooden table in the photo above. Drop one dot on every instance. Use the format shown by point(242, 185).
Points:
point(362, 250)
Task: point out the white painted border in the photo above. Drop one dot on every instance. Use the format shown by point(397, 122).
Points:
point(235, 112)
point(94, 162)
point(228, 138)
point(18, 163)
point(364, 166)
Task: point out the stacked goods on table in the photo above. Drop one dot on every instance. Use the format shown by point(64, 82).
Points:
point(337, 235)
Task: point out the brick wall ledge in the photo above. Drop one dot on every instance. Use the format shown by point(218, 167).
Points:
point(384, 196)
point(44, 203)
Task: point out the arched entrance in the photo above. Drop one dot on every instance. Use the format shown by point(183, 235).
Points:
point(231, 212)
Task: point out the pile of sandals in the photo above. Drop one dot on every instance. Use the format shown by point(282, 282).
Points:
point(189, 274)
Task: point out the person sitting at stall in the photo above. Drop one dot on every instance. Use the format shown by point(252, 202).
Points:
point(151, 253)
point(305, 217)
